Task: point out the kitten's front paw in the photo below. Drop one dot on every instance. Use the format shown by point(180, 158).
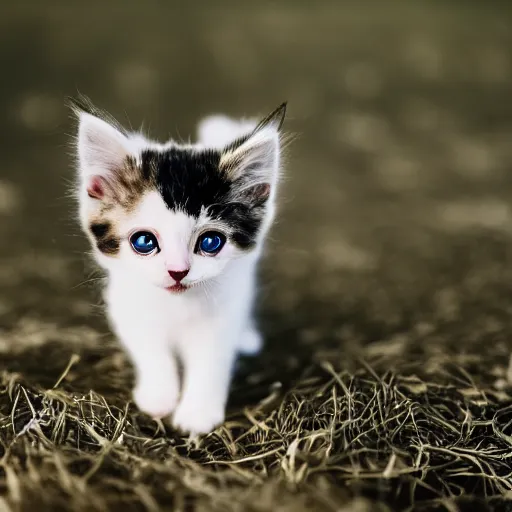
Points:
point(197, 418)
point(155, 400)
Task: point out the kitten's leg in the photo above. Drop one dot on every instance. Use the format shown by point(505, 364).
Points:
point(251, 341)
point(208, 356)
point(157, 383)
point(157, 388)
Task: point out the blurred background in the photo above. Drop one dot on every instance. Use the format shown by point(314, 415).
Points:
point(396, 208)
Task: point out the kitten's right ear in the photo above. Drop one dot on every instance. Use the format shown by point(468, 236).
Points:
point(102, 152)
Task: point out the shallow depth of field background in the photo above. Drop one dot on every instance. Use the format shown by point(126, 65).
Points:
point(388, 274)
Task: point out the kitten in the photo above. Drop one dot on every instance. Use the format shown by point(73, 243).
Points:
point(179, 229)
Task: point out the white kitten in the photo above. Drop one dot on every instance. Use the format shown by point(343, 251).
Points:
point(179, 230)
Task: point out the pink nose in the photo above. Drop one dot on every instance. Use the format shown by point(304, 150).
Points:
point(178, 275)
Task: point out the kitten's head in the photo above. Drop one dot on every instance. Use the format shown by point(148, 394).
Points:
point(175, 215)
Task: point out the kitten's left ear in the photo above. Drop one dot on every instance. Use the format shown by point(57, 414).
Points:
point(102, 148)
point(252, 163)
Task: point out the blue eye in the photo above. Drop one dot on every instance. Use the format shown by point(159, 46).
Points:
point(144, 242)
point(211, 243)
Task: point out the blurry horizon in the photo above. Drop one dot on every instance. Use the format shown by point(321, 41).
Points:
point(398, 107)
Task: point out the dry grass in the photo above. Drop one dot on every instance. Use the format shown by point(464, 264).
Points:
point(363, 440)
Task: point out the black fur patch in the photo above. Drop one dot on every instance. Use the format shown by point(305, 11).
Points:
point(187, 180)
point(100, 230)
point(244, 219)
point(190, 180)
point(106, 242)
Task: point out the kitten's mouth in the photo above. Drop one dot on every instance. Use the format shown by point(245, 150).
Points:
point(177, 288)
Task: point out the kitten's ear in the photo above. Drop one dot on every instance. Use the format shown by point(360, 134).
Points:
point(101, 148)
point(275, 119)
point(102, 152)
point(252, 163)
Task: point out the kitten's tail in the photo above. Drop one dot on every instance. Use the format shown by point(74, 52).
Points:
point(219, 130)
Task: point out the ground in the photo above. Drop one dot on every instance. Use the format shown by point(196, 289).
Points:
point(386, 378)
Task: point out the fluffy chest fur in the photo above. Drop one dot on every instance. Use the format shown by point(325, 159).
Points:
point(179, 229)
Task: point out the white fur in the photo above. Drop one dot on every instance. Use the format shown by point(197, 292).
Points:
point(206, 326)
point(217, 130)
